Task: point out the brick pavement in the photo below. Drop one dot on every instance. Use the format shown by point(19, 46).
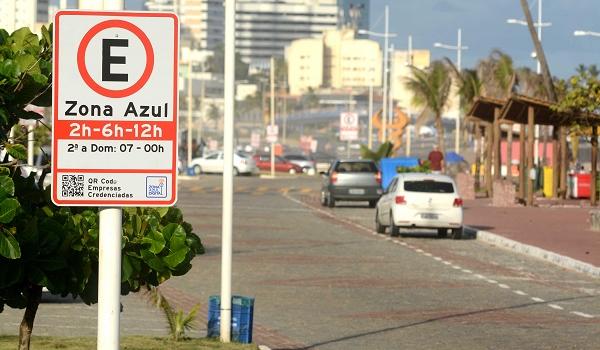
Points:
point(561, 229)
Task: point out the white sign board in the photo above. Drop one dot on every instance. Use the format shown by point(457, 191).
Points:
point(348, 126)
point(255, 140)
point(272, 133)
point(115, 108)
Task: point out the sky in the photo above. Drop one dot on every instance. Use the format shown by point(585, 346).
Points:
point(484, 29)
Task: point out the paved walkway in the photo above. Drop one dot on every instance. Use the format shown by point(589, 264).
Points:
point(563, 230)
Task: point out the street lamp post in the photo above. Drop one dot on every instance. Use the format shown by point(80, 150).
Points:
point(586, 33)
point(539, 25)
point(458, 48)
point(386, 35)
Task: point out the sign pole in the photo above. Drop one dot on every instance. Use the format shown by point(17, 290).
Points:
point(109, 278)
point(272, 114)
point(226, 233)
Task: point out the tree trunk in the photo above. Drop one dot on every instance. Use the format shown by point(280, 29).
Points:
point(509, 142)
point(593, 188)
point(564, 161)
point(478, 149)
point(34, 296)
point(440, 131)
point(541, 56)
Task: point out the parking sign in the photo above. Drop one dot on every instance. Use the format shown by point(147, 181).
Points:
point(115, 108)
point(348, 126)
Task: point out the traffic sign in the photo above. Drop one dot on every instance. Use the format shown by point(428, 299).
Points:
point(348, 126)
point(255, 140)
point(272, 133)
point(115, 108)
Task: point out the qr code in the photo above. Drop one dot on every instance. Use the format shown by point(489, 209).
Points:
point(72, 185)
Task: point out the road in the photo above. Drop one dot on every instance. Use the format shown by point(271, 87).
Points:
point(324, 279)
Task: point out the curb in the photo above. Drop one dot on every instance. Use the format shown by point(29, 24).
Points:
point(263, 347)
point(539, 253)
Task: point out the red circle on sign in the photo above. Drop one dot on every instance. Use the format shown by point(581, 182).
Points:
point(115, 23)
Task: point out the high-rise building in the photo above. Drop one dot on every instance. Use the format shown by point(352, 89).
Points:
point(264, 28)
point(354, 13)
point(337, 60)
point(15, 14)
point(101, 4)
point(401, 71)
point(202, 21)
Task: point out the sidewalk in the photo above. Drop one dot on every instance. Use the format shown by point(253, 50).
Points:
point(563, 230)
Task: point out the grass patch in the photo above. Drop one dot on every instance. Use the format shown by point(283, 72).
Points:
point(127, 343)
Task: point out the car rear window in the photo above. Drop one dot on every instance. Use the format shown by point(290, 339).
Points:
point(356, 167)
point(295, 157)
point(428, 186)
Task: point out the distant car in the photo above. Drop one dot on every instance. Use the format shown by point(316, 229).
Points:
point(416, 200)
point(308, 165)
point(263, 162)
point(214, 163)
point(351, 180)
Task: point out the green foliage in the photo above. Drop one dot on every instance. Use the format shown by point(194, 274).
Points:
point(581, 92)
point(179, 322)
point(424, 167)
point(216, 63)
point(385, 150)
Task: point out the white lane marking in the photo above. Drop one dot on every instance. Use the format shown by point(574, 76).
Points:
point(446, 262)
point(419, 250)
point(556, 307)
point(427, 254)
point(456, 267)
point(582, 314)
point(388, 238)
point(501, 285)
point(479, 276)
point(466, 271)
point(519, 292)
point(437, 258)
point(491, 281)
point(374, 233)
point(538, 300)
point(404, 244)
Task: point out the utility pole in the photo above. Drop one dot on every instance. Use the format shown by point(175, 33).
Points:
point(385, 75)
point(390, 117)
point(189, 113)
point(272, 114)
point(370, 137)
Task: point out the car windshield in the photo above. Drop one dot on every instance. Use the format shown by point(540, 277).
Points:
point(429, 186)
point(356, 167)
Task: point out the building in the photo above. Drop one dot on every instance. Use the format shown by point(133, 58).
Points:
point(354, 14)
point(202, 21)
point(305, 59)
point(401, 71)
point(265, 28)
point(101, 4)
point(337, 60)
point(15, 14)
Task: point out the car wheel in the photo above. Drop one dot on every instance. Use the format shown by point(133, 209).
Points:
point(323, 199)
point(442, 233)
point(292, 171)
point(394, 230)
point(236, 172)
point(457, 233)
point(197, 170)
point(378, 226)
point(330, 201)
point(372, 204)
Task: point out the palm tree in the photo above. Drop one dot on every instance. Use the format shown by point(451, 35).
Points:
point(431, 89)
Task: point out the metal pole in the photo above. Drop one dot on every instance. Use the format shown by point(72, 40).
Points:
point(349, 111)
point(410, 51)
point(226, 233)
point(410, 63)
point(391, 85)
point(385, 77)
point(536, 147)
point(459, 67)
point(189, 116)
point(272, 114)
point(109, 278)
point(30, 144)
point(370, 138)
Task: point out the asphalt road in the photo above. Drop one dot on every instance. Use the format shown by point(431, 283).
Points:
point(324, 279)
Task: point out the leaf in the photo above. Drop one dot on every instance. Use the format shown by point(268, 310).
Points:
point(9, 247)
point(51, 263)
point(153, 261)
point(175, 258)
point(16, 150)
point(7, 187)
point(175, 234)
point(28, 63)
point(156, 240)
point(8, 210)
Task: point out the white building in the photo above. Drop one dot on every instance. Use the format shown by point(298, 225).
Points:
point(101, 4)
point(15, 14)
point(264, 28)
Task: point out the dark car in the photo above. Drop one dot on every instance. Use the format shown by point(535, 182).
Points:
point(351, 180)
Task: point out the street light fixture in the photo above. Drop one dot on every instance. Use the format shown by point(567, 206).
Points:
point(458, 48)
point(585, 33)
point(385, 35)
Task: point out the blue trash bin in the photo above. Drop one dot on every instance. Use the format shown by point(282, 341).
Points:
point(190, 171)
point(242, 316)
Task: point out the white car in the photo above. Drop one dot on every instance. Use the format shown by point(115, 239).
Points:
point(415, 200)
point(213, 163)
